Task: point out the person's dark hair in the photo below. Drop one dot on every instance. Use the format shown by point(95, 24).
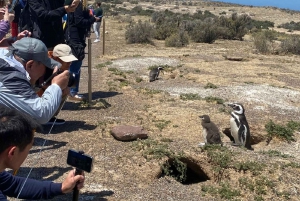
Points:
point(16, 129)
point(98, 3)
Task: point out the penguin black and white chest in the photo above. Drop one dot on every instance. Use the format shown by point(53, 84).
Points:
point(154, 73)
point(239, 126)
point(211, 133)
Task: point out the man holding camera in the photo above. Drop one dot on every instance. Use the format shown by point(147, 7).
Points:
point(16, 139)
point(20, 68)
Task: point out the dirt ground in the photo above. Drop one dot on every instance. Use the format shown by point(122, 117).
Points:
point(267, 86)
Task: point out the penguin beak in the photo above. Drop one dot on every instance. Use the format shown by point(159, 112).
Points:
point(230, 104)
point(201, 117)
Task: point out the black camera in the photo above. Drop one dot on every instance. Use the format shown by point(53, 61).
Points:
point(49, 75)
point(79, 160)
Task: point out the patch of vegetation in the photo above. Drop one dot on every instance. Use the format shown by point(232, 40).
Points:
point(254, 167)
point(220, 158)
point(291, 45)
point(124, 83)
point(180, 168)
point(166, 140)
point(141, 32)
point(295, 26)
point(275, 153)
point(152, 149)
point(150, 91)
point(263, 41)
point(102, 65)
point(210, 99)
point(138, 79)
point(161, 124)
point(225, 191)
point(190, 96)
point(98, 104)
point(291, 164)
point(179, 39)
point(210, 86)
point(228, 193)
point(116, 71)
point(282, 132)
point(261, 24)
point(259, 186)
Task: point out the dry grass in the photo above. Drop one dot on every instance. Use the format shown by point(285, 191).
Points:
point(267, 85)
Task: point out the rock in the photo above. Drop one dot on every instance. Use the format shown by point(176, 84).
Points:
point(127, 133)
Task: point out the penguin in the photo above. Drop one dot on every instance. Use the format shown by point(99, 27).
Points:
point(239, 126)
point(154, 73)
point(211, 133)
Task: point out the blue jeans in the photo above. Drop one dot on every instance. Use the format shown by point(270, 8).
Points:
point(75, 68)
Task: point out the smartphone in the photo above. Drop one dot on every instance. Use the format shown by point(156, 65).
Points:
point(79, 160)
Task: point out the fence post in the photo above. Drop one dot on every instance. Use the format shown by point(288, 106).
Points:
point(103, 34)
point(90, 69)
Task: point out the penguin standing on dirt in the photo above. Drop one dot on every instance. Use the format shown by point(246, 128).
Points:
point(211, 133)
point(154, 73)
point(239, 126)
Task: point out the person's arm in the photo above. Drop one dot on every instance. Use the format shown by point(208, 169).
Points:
point(4, 28)
point(17, 93)
point(80, 21)
point(11, 186)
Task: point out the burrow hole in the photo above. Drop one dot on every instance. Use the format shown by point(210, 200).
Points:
point(191, 175)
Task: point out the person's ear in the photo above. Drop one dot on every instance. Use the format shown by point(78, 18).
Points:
point(11, 152)
point(28, 65)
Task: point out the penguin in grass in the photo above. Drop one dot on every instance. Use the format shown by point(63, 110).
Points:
point(211, 133)
point(239, 127)
point(154, 73)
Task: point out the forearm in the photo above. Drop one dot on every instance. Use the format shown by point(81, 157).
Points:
point(4, 28)
point(13, 186)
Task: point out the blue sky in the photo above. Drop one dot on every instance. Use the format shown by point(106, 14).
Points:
point(289, 4)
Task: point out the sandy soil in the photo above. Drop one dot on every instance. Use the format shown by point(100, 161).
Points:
point(267, 85)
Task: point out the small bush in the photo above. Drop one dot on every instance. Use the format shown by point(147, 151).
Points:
point(261, 42)
point(179, 39)
point(204, 32)
point(282, 132)
point(291, 45)
point(290, 26)
point(210, 86)
point(139, 33)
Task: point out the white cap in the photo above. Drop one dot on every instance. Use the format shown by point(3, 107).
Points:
point(64, 52)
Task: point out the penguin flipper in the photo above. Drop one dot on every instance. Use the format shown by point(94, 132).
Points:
point(244, 136)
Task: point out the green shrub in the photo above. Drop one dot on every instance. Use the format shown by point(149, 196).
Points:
point(291, 45)
point(290, 25)
point(261, 42)
point(139, 33)
point(210, 86)
point(204, 32)
point(179, 39)
point(282, 132)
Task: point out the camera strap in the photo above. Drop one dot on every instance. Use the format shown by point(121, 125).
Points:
point(39, 154)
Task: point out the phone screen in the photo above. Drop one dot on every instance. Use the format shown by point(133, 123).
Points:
point(80, 161)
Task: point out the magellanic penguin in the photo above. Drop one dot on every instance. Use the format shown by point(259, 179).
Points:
point(239, 126)
point(211, 133)
point(154, 73)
